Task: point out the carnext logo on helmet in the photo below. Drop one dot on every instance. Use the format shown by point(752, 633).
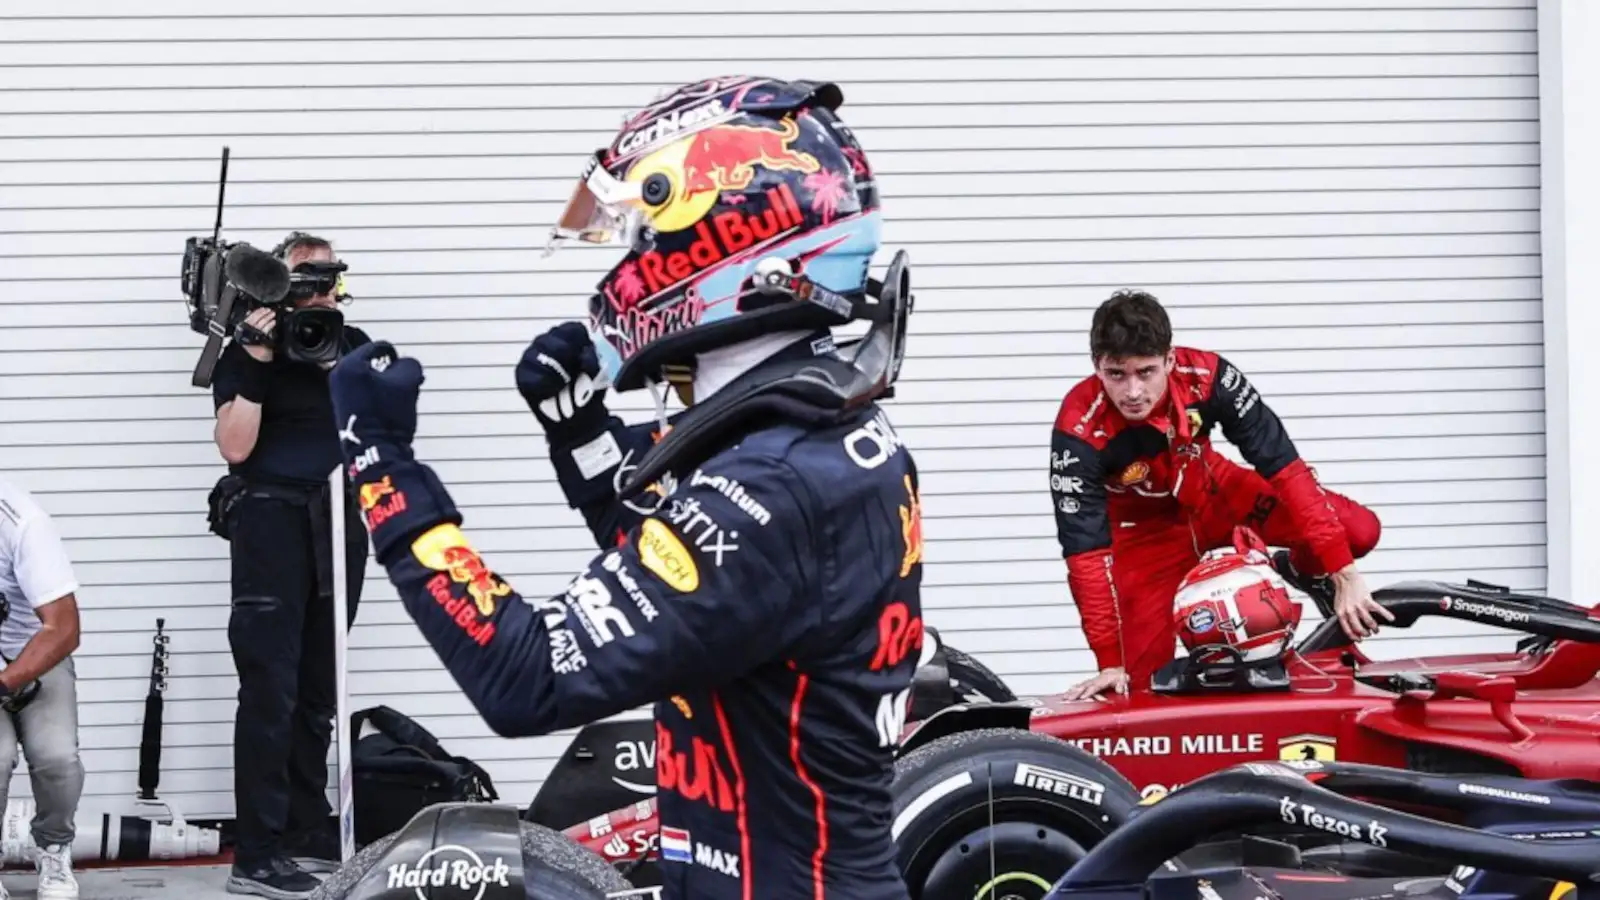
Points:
point(670, 124)
point(675, 845)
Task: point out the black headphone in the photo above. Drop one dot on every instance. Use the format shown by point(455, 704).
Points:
point(295, 238)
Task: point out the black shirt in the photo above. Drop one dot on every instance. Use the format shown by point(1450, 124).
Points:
point(299, 439)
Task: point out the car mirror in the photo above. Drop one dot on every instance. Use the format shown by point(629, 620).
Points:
point(1490, 689)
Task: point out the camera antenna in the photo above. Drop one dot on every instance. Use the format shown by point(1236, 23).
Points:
point(222, 191)
point(216, 329)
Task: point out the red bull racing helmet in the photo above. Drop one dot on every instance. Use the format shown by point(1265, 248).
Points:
point(745, 206)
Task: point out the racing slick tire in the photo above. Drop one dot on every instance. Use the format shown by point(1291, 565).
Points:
point(1035, 802)
point(973, 680)
point(550, 865)
point(947, 677)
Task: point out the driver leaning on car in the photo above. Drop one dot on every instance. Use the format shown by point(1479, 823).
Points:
point(1139, 492)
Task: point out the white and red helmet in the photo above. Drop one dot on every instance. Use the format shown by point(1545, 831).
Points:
point(1234, 598)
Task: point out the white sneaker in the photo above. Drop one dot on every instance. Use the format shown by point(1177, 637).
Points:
point(55, 873)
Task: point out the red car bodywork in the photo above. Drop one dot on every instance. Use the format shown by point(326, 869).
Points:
point(1159, 742)
point(1534, 712)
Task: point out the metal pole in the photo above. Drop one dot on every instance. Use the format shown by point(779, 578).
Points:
point(341, 650)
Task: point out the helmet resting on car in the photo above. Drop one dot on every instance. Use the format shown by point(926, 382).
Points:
point(745, 207)
point(1234, 602)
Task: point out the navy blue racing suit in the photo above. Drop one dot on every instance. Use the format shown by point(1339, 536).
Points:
point(771, 607)
point(595, 496)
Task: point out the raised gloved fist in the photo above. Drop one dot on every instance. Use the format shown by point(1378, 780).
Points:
point(375, 401)
point(556, 376)
point(375, 398)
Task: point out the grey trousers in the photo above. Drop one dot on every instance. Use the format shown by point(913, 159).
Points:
point(48, 732)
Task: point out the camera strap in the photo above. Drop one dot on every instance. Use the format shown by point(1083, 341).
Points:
point(216, 331)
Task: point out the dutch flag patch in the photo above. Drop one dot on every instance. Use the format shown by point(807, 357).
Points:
point(675, 845)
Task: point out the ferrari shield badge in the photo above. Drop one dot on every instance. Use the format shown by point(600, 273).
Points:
point(1307, 747)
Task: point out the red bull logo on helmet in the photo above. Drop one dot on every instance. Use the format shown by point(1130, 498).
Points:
point(722, 158)
point(725, 235)
point(716, 163)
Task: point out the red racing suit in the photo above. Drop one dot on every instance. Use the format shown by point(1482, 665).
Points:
point(1137, 503)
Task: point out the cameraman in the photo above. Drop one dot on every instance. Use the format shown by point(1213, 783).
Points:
point(275, 427)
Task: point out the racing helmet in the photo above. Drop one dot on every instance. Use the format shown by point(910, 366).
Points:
point(1234, 600)
point(744, 207)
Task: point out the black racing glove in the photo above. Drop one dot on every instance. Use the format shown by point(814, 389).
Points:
point(556, 377)
point(375, 403)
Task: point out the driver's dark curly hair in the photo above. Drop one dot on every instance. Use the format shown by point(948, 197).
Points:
point(1130, 323)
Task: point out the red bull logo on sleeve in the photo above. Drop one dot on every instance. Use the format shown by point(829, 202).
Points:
point(465, 566)
point(461, 610)
point(446, 550)
point(721, 158)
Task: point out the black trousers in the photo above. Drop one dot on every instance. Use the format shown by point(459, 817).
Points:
point(281, 635)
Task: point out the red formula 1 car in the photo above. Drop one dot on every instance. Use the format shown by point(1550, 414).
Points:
point(1025, 787)
point(1534, 712)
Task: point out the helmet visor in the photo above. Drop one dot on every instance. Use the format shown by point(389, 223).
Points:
point(602, 210)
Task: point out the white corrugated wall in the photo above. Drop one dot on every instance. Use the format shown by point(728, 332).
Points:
point(1344, 200)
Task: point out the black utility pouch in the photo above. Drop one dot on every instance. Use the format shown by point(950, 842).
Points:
point(225, 494)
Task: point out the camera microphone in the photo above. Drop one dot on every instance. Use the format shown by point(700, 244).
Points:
point(258, 274)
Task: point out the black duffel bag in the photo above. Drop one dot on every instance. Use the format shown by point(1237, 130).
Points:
point(400, 768)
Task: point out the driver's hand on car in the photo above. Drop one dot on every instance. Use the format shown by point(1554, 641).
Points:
point(1354, 606)
point(1113, 679)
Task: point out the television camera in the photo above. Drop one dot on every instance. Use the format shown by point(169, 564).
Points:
point(224, 280)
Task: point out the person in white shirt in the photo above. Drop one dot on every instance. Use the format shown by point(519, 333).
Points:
point(38, 684)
